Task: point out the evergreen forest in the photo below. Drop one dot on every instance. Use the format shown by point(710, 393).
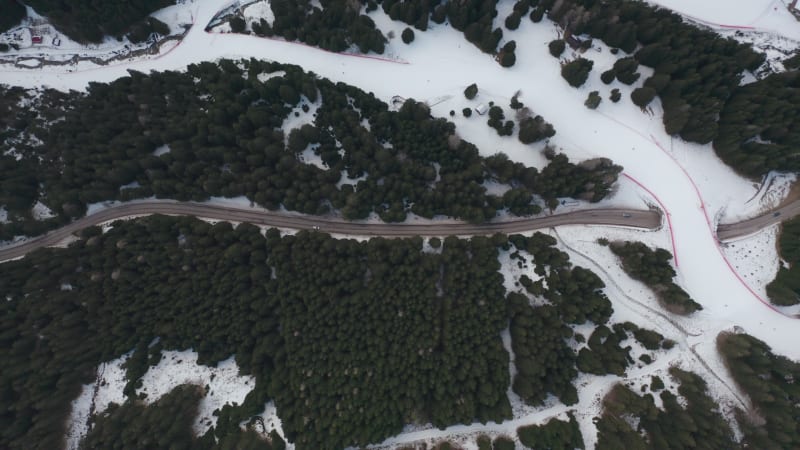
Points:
point(351, 340)
point(633, 421)
point(333, 25)
point(86, 21)
point(784, 290)
point(247, 128)
point(698, 78)
point(771, 382)
point(11, 13)
point(691, 419)
point(336, 25)
point(653, 268)
point(758, 129)
point(166, 423)
point(555, 434)
point(697, 73)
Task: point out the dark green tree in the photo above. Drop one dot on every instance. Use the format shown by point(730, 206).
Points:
point(471, 91)
point(642, 96)
point(407, 36)
point(11, 13)
point(238, 25)
point(593, 100)
point(557, 47)
point(576, 71)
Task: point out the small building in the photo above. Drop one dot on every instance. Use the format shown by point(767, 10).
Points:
point(482, 108)
point(36, 39)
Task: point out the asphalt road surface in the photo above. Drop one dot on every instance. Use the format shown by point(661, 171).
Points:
point(620, 217)
point(728, 231)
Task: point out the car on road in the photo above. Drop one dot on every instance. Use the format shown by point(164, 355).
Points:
point(626, 215)
point(315, 227)
point(776, 214)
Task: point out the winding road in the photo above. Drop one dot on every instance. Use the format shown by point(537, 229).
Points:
point(626, 136)
point(646, 219)
point(635, 218)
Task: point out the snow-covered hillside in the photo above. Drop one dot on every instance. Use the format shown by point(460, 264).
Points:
point(693, 186)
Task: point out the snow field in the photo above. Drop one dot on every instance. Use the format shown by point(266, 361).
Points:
point(162, 150)
point(41, 212)
point(30, 63)
point(269, 421)
point(223, 385)
point(297, 117)
point(755, 257)
point(757, 260)
point(95, 398)
point(256, 11)
point(513, 269)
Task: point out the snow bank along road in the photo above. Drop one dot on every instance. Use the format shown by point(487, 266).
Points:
point(621, 217)
point(442, 63)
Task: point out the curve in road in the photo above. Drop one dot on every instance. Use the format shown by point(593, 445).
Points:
point(647, 219)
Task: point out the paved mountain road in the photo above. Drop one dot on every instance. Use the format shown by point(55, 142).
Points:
point(728, 231)
point(619, 217)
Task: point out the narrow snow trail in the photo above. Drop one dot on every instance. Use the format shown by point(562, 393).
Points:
point(442, 63)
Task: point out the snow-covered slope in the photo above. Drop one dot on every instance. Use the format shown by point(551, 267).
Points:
point(695, 188)
point(751, 15)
